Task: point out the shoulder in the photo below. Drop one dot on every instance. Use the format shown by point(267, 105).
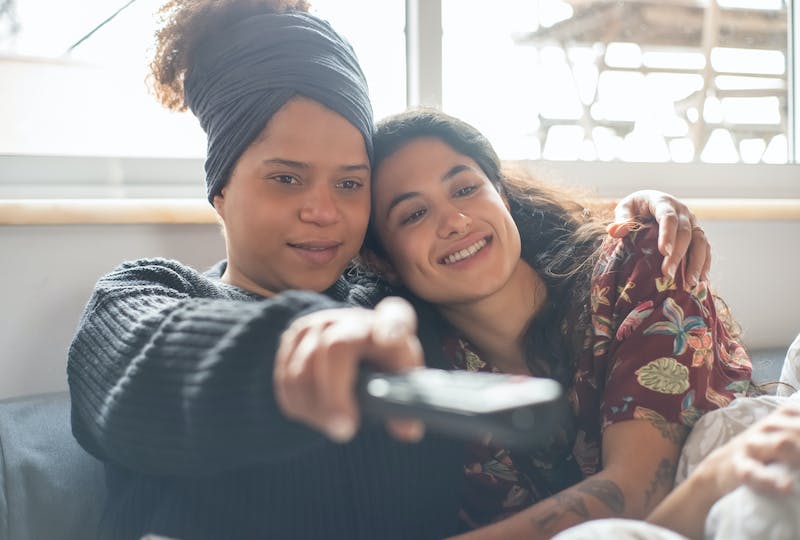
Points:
point(360, 287)
point(628, 270)
point(624, 254)
point(159, 274)
point(155, 266)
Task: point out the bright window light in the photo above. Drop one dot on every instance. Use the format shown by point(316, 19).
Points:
point(93, 100)
point(748, 61)
point(621, 55)
point(628, 73)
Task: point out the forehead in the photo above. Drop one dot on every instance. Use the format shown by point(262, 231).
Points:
point(418, 162)
point(307, 128)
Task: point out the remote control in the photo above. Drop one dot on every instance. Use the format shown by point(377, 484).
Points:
point(513, 410)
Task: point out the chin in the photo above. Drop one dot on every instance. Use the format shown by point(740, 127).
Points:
point(316, 283)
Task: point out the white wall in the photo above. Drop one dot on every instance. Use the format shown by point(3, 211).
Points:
point(47, 273)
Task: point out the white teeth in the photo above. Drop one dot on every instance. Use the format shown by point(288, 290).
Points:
point(466, 252)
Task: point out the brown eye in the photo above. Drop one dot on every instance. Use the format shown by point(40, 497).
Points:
point(350, 184)
point(463, 192)
point(285, 179)
point(414, 216)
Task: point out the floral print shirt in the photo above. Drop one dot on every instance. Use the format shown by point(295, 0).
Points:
point(653, 351)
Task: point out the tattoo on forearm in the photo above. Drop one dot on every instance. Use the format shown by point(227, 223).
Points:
point(662, 481)
point(570, 502)
point(606, 492)
point(564, 502)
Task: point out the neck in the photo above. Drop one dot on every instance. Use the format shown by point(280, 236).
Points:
point(496, 324)
point(232, 277)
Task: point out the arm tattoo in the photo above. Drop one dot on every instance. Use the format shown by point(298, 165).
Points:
point(606, 492)
point(674, 433)
point(662, 481)
point(566, 502)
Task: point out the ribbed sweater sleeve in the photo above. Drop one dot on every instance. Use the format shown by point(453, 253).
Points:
point(170, 372)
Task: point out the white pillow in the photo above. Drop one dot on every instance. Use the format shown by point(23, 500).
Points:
point(719, 426)
point(790, 374)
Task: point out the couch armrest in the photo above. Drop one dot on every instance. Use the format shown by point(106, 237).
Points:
point(49, 486)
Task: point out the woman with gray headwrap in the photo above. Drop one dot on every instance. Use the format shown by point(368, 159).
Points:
point(171, 370)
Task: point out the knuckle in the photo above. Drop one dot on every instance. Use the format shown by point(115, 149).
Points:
point(752, 445)
point(784, 444)
point(335, 349)
point(669, 217)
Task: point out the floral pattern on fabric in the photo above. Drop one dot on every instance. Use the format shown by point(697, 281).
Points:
point(653, 351)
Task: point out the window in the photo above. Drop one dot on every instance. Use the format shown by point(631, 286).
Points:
point(92, 99)
point(79, 121)
point(706, 85)
point(631, 80)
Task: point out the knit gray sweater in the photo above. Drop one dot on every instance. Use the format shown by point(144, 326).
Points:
point(170, 374)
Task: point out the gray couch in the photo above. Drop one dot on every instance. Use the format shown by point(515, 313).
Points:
point(51, 489)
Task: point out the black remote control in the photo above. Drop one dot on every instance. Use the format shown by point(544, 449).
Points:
point(513, 410)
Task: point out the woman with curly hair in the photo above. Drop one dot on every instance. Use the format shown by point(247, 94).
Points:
point(527, 281)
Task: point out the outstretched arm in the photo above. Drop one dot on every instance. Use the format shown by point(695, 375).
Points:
point(679, 234)
point(170, 376)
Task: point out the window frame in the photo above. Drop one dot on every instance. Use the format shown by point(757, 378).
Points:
point(37, 176)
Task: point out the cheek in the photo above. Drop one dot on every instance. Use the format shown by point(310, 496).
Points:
point(514, 239)
point(357, 211)
point(410, 255)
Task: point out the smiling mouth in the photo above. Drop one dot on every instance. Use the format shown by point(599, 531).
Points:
point(465, 253)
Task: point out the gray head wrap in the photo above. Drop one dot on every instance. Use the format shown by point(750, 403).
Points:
point(243, 77)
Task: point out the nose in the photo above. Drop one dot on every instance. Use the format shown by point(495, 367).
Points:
point(454, 223)
point(320, 207)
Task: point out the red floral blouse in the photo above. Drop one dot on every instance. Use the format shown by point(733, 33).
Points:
point(653, 351)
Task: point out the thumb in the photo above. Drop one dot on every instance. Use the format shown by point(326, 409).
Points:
point(395, 319)
point(394, 339)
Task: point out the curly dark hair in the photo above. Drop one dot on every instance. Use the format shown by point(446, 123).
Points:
point(186, 25)
point(560, 236)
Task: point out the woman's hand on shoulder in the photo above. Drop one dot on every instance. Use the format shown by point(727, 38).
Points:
point(680, 236)
point(318, 360)
point(746, 459)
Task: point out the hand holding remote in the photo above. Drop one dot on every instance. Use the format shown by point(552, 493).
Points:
point(320, 355)
point(514, 410)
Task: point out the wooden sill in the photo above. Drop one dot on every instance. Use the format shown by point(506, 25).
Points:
point(194, 211)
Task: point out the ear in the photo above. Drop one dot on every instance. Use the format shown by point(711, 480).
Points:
point(380, 266)
point(219, 203)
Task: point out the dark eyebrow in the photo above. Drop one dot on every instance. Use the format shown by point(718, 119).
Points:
point(302, 165)
point(400, 198)
point(355, 168)
point(454, 171)
point(286, 163)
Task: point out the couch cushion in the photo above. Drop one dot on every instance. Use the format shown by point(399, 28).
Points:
point(49, 486)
